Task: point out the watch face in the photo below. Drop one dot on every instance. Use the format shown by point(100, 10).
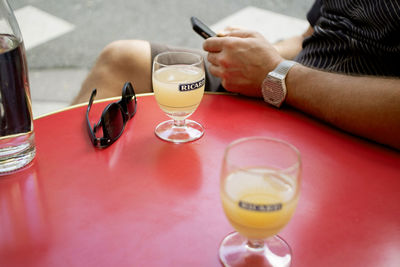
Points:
point(272, 90)
point(273, 87)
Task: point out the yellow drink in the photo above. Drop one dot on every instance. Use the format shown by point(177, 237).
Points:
point(258, 202)
point(178, 89)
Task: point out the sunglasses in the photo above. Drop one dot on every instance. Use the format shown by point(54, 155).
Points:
point(113, 118)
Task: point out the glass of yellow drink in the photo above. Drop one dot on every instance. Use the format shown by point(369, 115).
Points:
point(178, 85)
point(260, 186)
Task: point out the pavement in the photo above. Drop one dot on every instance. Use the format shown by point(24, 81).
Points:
point(63, 38)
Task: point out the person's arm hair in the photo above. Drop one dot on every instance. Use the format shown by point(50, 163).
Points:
point(290, 47)
point(367, 106)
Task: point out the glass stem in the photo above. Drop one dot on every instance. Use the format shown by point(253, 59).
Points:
point(255, 244)
point(179, 123)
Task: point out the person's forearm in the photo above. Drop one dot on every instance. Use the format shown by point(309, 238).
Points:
point(365, 106)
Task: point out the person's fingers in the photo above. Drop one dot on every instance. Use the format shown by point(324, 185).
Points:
point(232, 86)
point(227, 30)
point(216, 70)
point(233, 28)
point(216, 44)
point(218, 59)
point(213, 58)
point(242, 33)
point(213, 44)
point(231, 77)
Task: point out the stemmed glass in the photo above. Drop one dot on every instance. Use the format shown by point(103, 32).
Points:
point(178, 85)
point(260, 186)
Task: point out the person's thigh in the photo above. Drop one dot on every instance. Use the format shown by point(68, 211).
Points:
point(213, 84)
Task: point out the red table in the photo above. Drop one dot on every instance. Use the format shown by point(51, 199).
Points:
point(146, 202)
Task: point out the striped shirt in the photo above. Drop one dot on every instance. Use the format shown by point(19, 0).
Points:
point(354, 37)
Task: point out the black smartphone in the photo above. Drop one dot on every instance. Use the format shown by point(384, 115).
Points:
point(202, 29)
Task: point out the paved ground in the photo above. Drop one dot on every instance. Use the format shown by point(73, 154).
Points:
point(59, 63)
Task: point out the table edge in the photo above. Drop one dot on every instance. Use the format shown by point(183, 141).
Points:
point(113, 99)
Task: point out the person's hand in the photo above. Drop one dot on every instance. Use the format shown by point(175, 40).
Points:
point(242, 59)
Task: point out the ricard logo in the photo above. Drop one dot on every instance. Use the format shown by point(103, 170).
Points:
point(183, 87)
point(260, 208)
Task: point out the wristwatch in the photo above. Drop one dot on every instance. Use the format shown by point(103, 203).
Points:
point(274, 87)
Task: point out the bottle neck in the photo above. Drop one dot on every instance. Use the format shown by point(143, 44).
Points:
point(8, 22)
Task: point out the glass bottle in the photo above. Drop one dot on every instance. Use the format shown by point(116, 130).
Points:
point(17, 145)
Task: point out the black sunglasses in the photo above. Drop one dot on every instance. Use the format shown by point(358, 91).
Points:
point(113, 118)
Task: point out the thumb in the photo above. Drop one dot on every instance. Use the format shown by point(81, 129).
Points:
point(227, 30)
point(237, 32)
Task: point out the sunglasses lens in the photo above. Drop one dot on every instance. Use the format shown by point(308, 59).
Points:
point(131, 106)
point(113, 121)
point(128, 96)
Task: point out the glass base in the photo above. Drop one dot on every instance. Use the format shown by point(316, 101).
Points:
point(16, 152)
point(190, 131)
point(235, 251)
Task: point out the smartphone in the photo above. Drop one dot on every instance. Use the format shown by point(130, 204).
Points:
point(202, 29)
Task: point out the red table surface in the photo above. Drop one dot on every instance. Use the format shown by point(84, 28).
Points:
point(146, 202)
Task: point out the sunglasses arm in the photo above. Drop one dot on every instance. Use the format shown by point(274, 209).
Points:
point(98, 142)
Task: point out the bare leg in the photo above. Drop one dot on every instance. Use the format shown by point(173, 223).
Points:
point(119, 62)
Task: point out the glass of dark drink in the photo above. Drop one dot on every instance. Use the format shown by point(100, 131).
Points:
point(17, 145)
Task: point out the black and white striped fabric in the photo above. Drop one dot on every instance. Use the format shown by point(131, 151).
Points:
point(354, 37)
